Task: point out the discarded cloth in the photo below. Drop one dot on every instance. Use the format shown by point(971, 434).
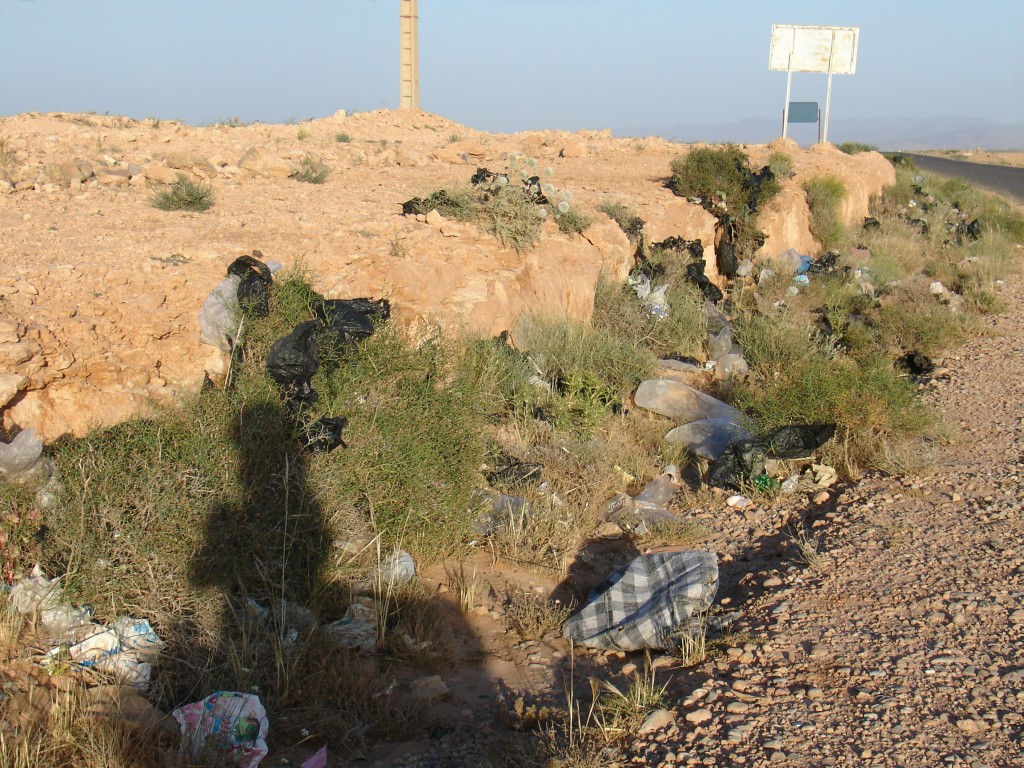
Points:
point(650, 603)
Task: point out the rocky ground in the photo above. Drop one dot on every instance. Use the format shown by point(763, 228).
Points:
point(901, 645)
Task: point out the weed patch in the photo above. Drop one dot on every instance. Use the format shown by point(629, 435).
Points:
point(311, 170)
point(184, 195)
point(824, 196)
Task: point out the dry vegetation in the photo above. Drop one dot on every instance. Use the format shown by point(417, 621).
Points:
point(193, 515)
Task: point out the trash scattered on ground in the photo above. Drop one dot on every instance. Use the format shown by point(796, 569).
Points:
point(495, 510)
point(648, 508)
point(324, 435)
point(683, 403)
point(233, 726)
point(127, 649)
point(695, 273)
point(22, 461)
point(397, 568)
point(317, 760)
point(870, 222)
point(651, 603)
point(254, 280)
point(739, 502)
point(916, 364)
point(40, 596)
point(293, 360)
point(652, 298)
point(221, 312)
point(743, 461)
point(357, 629)
point(350, 320)
point(708, 438)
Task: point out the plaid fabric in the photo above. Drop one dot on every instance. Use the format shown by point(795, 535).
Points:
point(648, 603)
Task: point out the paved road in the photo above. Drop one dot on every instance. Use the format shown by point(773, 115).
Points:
point(1003, 179)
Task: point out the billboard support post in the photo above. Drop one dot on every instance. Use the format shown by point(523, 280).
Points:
point(828, 50)
point(789, 87)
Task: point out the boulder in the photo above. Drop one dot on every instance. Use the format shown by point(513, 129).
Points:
point(258, 161)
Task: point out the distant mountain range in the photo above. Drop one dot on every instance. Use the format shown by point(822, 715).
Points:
point(885, 133)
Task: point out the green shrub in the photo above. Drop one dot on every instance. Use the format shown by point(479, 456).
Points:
point(712, 174)
point(342, 138)
point(781, 165)
point(631, 224)
point(511, 215)
point(796, 381)
point(458, 204)
point(572, 221)
point(825, 194)
point(184, 195)
point(855, 147)
point(311, 170)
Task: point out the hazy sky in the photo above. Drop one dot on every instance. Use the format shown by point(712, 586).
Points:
point(503, 65)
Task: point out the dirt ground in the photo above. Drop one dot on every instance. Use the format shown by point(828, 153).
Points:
point(901, 644)
point(1013, 157)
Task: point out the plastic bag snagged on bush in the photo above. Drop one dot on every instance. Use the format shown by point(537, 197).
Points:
point(743, 460)
point(229, 724)
point(650, 603)
point(639, 513)
point(254, 283)
point(324, 435)
point(695, 272)
point(293, 360)
point(352, 319)
point(20, 457)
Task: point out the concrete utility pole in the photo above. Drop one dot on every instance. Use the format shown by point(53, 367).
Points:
point(409, 74)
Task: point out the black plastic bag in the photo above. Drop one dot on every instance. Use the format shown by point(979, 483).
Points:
point(870, 222)
point(916, 364)
point(825, 264)
point(695, 272)
point(974, 229)
point(919, 224)
point(754, 183)
point(254, 285)
point(324, 435)
point(800, 441)
point(684, 359)
point(294, 359)
point(741, 461)
point(352, 319)
point(680, 245)
point(515, 473)
point(725, 255)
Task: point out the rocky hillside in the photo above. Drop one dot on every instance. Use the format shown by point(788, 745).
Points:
point(100, 291)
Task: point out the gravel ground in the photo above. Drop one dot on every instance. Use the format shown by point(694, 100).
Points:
point(907, 649)
point(903, 647)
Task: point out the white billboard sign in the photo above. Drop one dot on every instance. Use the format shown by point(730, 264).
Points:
point(830, 50)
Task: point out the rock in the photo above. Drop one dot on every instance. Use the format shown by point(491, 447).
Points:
point(658, 720)
point(112, 177)
point(160, 174)
point(683, 403)
point(122, 702)
point(821, 497)
point(699, 716)
point(428, 688)
point(574, 149)
point(260, 162)
point(609, 530)
point(707, 438)
point(10, 385)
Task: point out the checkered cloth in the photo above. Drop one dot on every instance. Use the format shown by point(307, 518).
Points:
point(648, 604)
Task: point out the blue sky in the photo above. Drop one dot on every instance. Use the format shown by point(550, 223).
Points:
point(502, 65)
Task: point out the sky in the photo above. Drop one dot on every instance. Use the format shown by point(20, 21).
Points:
point(503, 65)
